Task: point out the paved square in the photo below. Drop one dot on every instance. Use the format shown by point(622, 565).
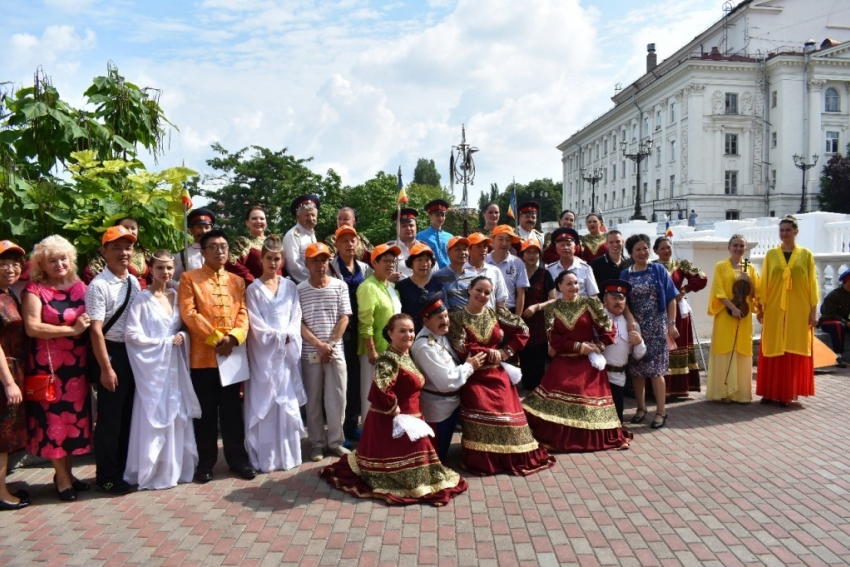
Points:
point(720, 485)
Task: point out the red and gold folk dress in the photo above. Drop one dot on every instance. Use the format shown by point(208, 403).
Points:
point(572, 410)
point(683, 375)
point(592, 247)
point(246, 259)
point(398, 471)
point(496, 437)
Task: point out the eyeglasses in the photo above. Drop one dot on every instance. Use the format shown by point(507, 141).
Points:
point(216, 247)
point(387, 260)
point(10, 265)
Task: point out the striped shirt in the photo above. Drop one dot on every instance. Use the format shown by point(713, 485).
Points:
point(321, 309)
point(105, 295)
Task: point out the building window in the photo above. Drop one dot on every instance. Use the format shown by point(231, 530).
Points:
point(658, 120)
point(832, 142)
point(773, 139)
point(644, 191)
point(634, 132)
point(646, 124)
point(672, 150)
point(658, 189)
point(773, 99)
point(597, 151)
point(605, 147)
point(731, 185)
point(672, 186)
point(731, 148)
point(733, 215)
point(614, 144)
point(614, 171)
point(772, 179)
point(623, 170)
point(624, 196)
point(832, 102)
point(672, 112)
point(658, 156)
point(731, 103)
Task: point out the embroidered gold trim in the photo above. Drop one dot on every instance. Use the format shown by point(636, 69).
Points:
point(503, 439)
point(386, 369)
point(481, 326)
point(413, 481)
point(568, 312)
point(572, 411)
point(243, 245)
point(593, 242)
point(506, 317)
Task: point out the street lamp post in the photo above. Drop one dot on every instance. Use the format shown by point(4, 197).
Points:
point(643, 151)
point(592, 177)
point(800, 162)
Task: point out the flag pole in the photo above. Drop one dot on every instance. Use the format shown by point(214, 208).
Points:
point(398, 214)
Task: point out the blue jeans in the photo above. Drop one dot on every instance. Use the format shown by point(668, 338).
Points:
point(443, 432)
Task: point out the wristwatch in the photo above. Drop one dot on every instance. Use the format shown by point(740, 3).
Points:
point(332, 344)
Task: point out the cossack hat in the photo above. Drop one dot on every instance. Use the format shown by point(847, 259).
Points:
point(304, 202)
point(433, 305)
point(436, 205)
point(528, 207)
point(200, 216)
point(565, 233)
point(408, 215)
point(616, 287)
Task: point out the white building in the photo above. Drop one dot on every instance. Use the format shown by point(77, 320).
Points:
point(725, 114)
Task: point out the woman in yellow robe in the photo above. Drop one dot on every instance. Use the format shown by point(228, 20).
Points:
point(789, 297)
point(730, 364)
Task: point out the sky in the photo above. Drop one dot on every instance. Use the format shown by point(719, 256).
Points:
point(359, 86)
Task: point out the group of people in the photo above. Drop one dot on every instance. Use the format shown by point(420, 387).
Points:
point(391, 346)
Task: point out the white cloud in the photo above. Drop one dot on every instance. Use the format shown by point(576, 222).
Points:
point(58, 47)
point(70, 5)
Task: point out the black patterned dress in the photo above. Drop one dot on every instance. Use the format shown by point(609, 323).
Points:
point(13, 424)
point(63, 427)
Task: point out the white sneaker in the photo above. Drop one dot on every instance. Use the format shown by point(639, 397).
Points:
point(339, 451)
point(316, 454)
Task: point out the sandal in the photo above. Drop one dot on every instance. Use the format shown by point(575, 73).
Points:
point(636, 419)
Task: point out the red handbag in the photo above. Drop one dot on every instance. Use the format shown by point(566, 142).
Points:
point(41, 387)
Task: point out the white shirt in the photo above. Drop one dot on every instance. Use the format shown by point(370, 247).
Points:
point(438, 363)
point(500, 290)
point(617, 354)
point(586, 282)
point(194, 259)
point(105, 295)
point(533, 233)
point(295, 243)
point(513, 270)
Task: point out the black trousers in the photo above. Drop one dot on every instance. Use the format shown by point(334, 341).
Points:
point(617, 392)
point(835, 330)
point(220, 406)
point(532, 361)
point(114, 412)
point(352, 393)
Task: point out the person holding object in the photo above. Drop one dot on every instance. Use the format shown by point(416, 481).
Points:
point(245, 254)
point(496, 437)
point(275, 392)
point(162, 450)
point(377, 301)
point(626, 343)
point(325, 311)
point(14, 349)
point(835, 316)
point(788, 291)
point(200, 222)
point(683, 375)
point(732, 302)
point(54, 312)
point(212, 305)
point(572, 409)
point(652, 302)
point(108, 298)
point(395, 460)
point(444, 376)
point(305, 209)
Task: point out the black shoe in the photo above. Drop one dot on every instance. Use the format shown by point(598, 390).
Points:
point(67, 495)
point(202, 477)
point(659, 424)
point(765, 401)
point(23, 495)
point(352, 434)
point(638, 418)
point(245, 471)
point(78, 485)
point(119, 488)
point(4, 506)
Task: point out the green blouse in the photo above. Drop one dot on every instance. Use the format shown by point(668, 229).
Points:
point(376, 303)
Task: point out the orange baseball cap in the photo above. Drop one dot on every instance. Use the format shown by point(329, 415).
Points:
point(345, 229)
point(457, 240)
point(509, 230)
point(114, 233)
point(417, 249)
point(317, 249)
point(478, 238)
point(382, 249)
point(9, 246)
point(530, 243)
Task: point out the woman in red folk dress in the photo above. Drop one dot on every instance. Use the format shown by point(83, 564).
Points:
point(246, 258)
point(496, 438)
point(683, 375)
point(395, 461)
point(593, 243)
point(572, 410)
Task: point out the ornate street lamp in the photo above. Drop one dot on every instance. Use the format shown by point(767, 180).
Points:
point(800, 162)
point(462, 170)
point(593, 177)
point(643, 152)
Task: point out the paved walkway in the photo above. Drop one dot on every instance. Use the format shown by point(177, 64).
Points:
point(721, 485)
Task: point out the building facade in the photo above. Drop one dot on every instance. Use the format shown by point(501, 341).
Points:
point(725, 114)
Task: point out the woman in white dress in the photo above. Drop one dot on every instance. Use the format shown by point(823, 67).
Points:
point(162, 448)
point(275, 391)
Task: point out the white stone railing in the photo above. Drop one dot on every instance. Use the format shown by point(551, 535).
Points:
point(838, 235)
point(765, 237)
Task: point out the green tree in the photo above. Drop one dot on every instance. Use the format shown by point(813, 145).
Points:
point(426, 173)
point(269, 179)
point(42, 136)
point(550, 204)
point(835, 184)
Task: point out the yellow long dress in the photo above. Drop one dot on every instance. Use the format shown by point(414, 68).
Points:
point(730, 362)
